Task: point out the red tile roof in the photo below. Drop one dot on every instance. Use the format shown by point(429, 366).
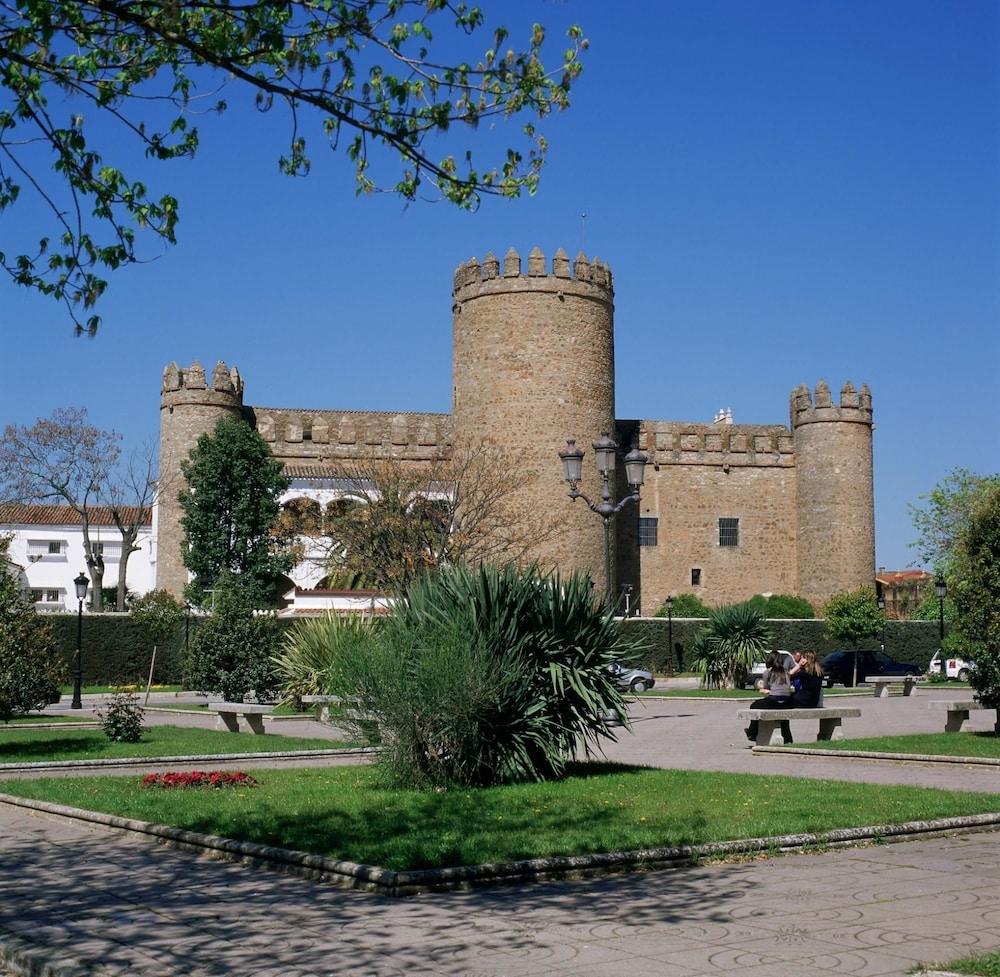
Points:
point(903, 576)
point(18, 514)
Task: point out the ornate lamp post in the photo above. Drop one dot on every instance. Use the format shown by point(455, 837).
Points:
point(80, 583)
point(941, 589)
point(187, 626)
point(605, 450)
point(670, 627)
point(880, 601)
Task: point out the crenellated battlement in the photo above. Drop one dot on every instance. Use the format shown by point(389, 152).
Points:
point(739, 445)
point(581, 276)
point(811, 407)
point(191, 385)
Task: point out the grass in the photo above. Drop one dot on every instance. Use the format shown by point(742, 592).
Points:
point(108, 689)
point(981, 965)
point(976, 744)
point(44, 718)
point(281, 710)
point(344, 812)
point(31, 745)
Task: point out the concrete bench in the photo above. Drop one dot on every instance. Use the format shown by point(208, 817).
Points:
point(325, 701)
point(229, 713)
point(957, 720)
point(881, 684)
point(769, 722)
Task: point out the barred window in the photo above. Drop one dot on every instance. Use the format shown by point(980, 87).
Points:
point(647, 530)
point(695, 576)
point(729, 532)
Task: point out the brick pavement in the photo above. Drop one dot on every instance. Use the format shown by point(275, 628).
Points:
point(125, 907)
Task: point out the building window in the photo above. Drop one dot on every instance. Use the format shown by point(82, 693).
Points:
point(52, 596)
point(36, 596)
point(695, 576)
point(55, 547)
point(729, 532)
point(647, 530)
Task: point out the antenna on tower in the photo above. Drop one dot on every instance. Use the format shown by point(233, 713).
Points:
point(583, 232)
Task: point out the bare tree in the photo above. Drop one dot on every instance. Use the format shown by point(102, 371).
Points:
point(397, 521)
point(62, 458)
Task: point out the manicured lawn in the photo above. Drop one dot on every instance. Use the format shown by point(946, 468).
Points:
point(30, 745)
point(344, 813)
point(203, 707)
point(984, 965)
point(42, 717)
point(979, 744)
point(108, 689)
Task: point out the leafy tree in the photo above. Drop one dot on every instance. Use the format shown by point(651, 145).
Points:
point(685, 605)
point(853, 616)
point(159, 614)
point(396, 522)
point(62, 459)
point(231, 511)
point(944, 513)
point(30, 672)
point(231, 653)
point(362, 68)
point(784, 606)
point(975, 589)
point(736, 635)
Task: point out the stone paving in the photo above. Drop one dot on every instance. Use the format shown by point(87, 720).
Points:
point(122, 906)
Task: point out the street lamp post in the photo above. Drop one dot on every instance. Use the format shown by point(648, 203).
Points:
point(187, 626)
point(941, 589)
point(605, 450)
point(81, 592)
point(880, 601)
point(670, 628)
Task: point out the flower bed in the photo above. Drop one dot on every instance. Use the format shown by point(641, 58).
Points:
point(216, 779)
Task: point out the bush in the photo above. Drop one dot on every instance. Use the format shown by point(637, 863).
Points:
point(489, 675)
point(231, 654)
point(853, 617)
point(784, 606)
point(311, 653)
point(735, 637)
point(121, 718)
point(30, 674)
point(685, 605)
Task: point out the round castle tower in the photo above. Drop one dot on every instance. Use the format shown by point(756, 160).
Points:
point(833, 460)
point(190, 406)
point(533, 366)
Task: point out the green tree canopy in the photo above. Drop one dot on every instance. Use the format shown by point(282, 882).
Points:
point(360, 72)
point(785, 606)
point(852, 616)
point(231, 511)
point(685, 605)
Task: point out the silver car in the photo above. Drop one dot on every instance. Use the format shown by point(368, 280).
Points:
point(633, 679)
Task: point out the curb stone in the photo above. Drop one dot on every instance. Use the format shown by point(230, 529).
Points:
point(389, 882)
point(872, 755)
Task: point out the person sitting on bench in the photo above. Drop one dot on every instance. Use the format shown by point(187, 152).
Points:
point(778, 694)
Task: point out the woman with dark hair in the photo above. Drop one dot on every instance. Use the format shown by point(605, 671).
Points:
point(777, 693)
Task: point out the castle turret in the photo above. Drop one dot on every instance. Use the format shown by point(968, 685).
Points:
point(833, 459)
point(534, 366)
point(190, 405)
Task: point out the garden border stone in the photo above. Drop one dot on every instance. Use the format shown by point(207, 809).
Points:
point(387, 882)
point(872, 755)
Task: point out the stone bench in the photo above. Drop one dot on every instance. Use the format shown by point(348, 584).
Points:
point(229, 713)
point(957, 720)
point(325, 701)
point(769, 722)
point(881, 684)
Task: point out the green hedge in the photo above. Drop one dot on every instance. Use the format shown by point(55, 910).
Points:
point(116, 651)
point(907, 641)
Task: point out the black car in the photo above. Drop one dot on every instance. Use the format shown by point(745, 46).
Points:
point(839, 666)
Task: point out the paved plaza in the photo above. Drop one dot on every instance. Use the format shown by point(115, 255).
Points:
point(118, 906)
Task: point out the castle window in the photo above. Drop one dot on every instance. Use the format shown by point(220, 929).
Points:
point(729, 532)
point(647, 530)
point(695, 576)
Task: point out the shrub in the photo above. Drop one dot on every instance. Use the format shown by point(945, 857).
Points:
point(735, 637)
point(311, 652)
point(30, 673)
point(783, 606)
point(489, 675)
point(215, 779)
point(159, 615)
point(231, 654)
point(853, 616)
point(121, 718)
point(685, 605)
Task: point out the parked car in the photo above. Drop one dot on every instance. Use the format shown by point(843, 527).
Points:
point(633, 679)
point(757, 669)
point(954, 667)
point(839, 666)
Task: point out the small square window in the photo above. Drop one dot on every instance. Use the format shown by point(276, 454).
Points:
point(647, 530)
point(52, 596)
point(695, 577)
point(55, 547)
point(729, 532)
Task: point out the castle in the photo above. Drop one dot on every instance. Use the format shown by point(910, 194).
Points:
point(728, 510)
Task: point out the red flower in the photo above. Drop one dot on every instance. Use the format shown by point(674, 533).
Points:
point(198, 778)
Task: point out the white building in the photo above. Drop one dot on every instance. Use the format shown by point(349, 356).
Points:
point(47, 546)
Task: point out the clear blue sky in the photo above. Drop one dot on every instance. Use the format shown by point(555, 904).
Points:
point(785, 190)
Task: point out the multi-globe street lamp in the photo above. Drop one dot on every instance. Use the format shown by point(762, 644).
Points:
point(605, 451)
point(80, 583)
point(941, 589)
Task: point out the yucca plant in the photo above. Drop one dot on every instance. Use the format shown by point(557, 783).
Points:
point(706, 659)
point(739, 636)
point(491, 674)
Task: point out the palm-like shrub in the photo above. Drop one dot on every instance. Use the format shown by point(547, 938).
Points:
point(489, 675)
point(736, 635)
